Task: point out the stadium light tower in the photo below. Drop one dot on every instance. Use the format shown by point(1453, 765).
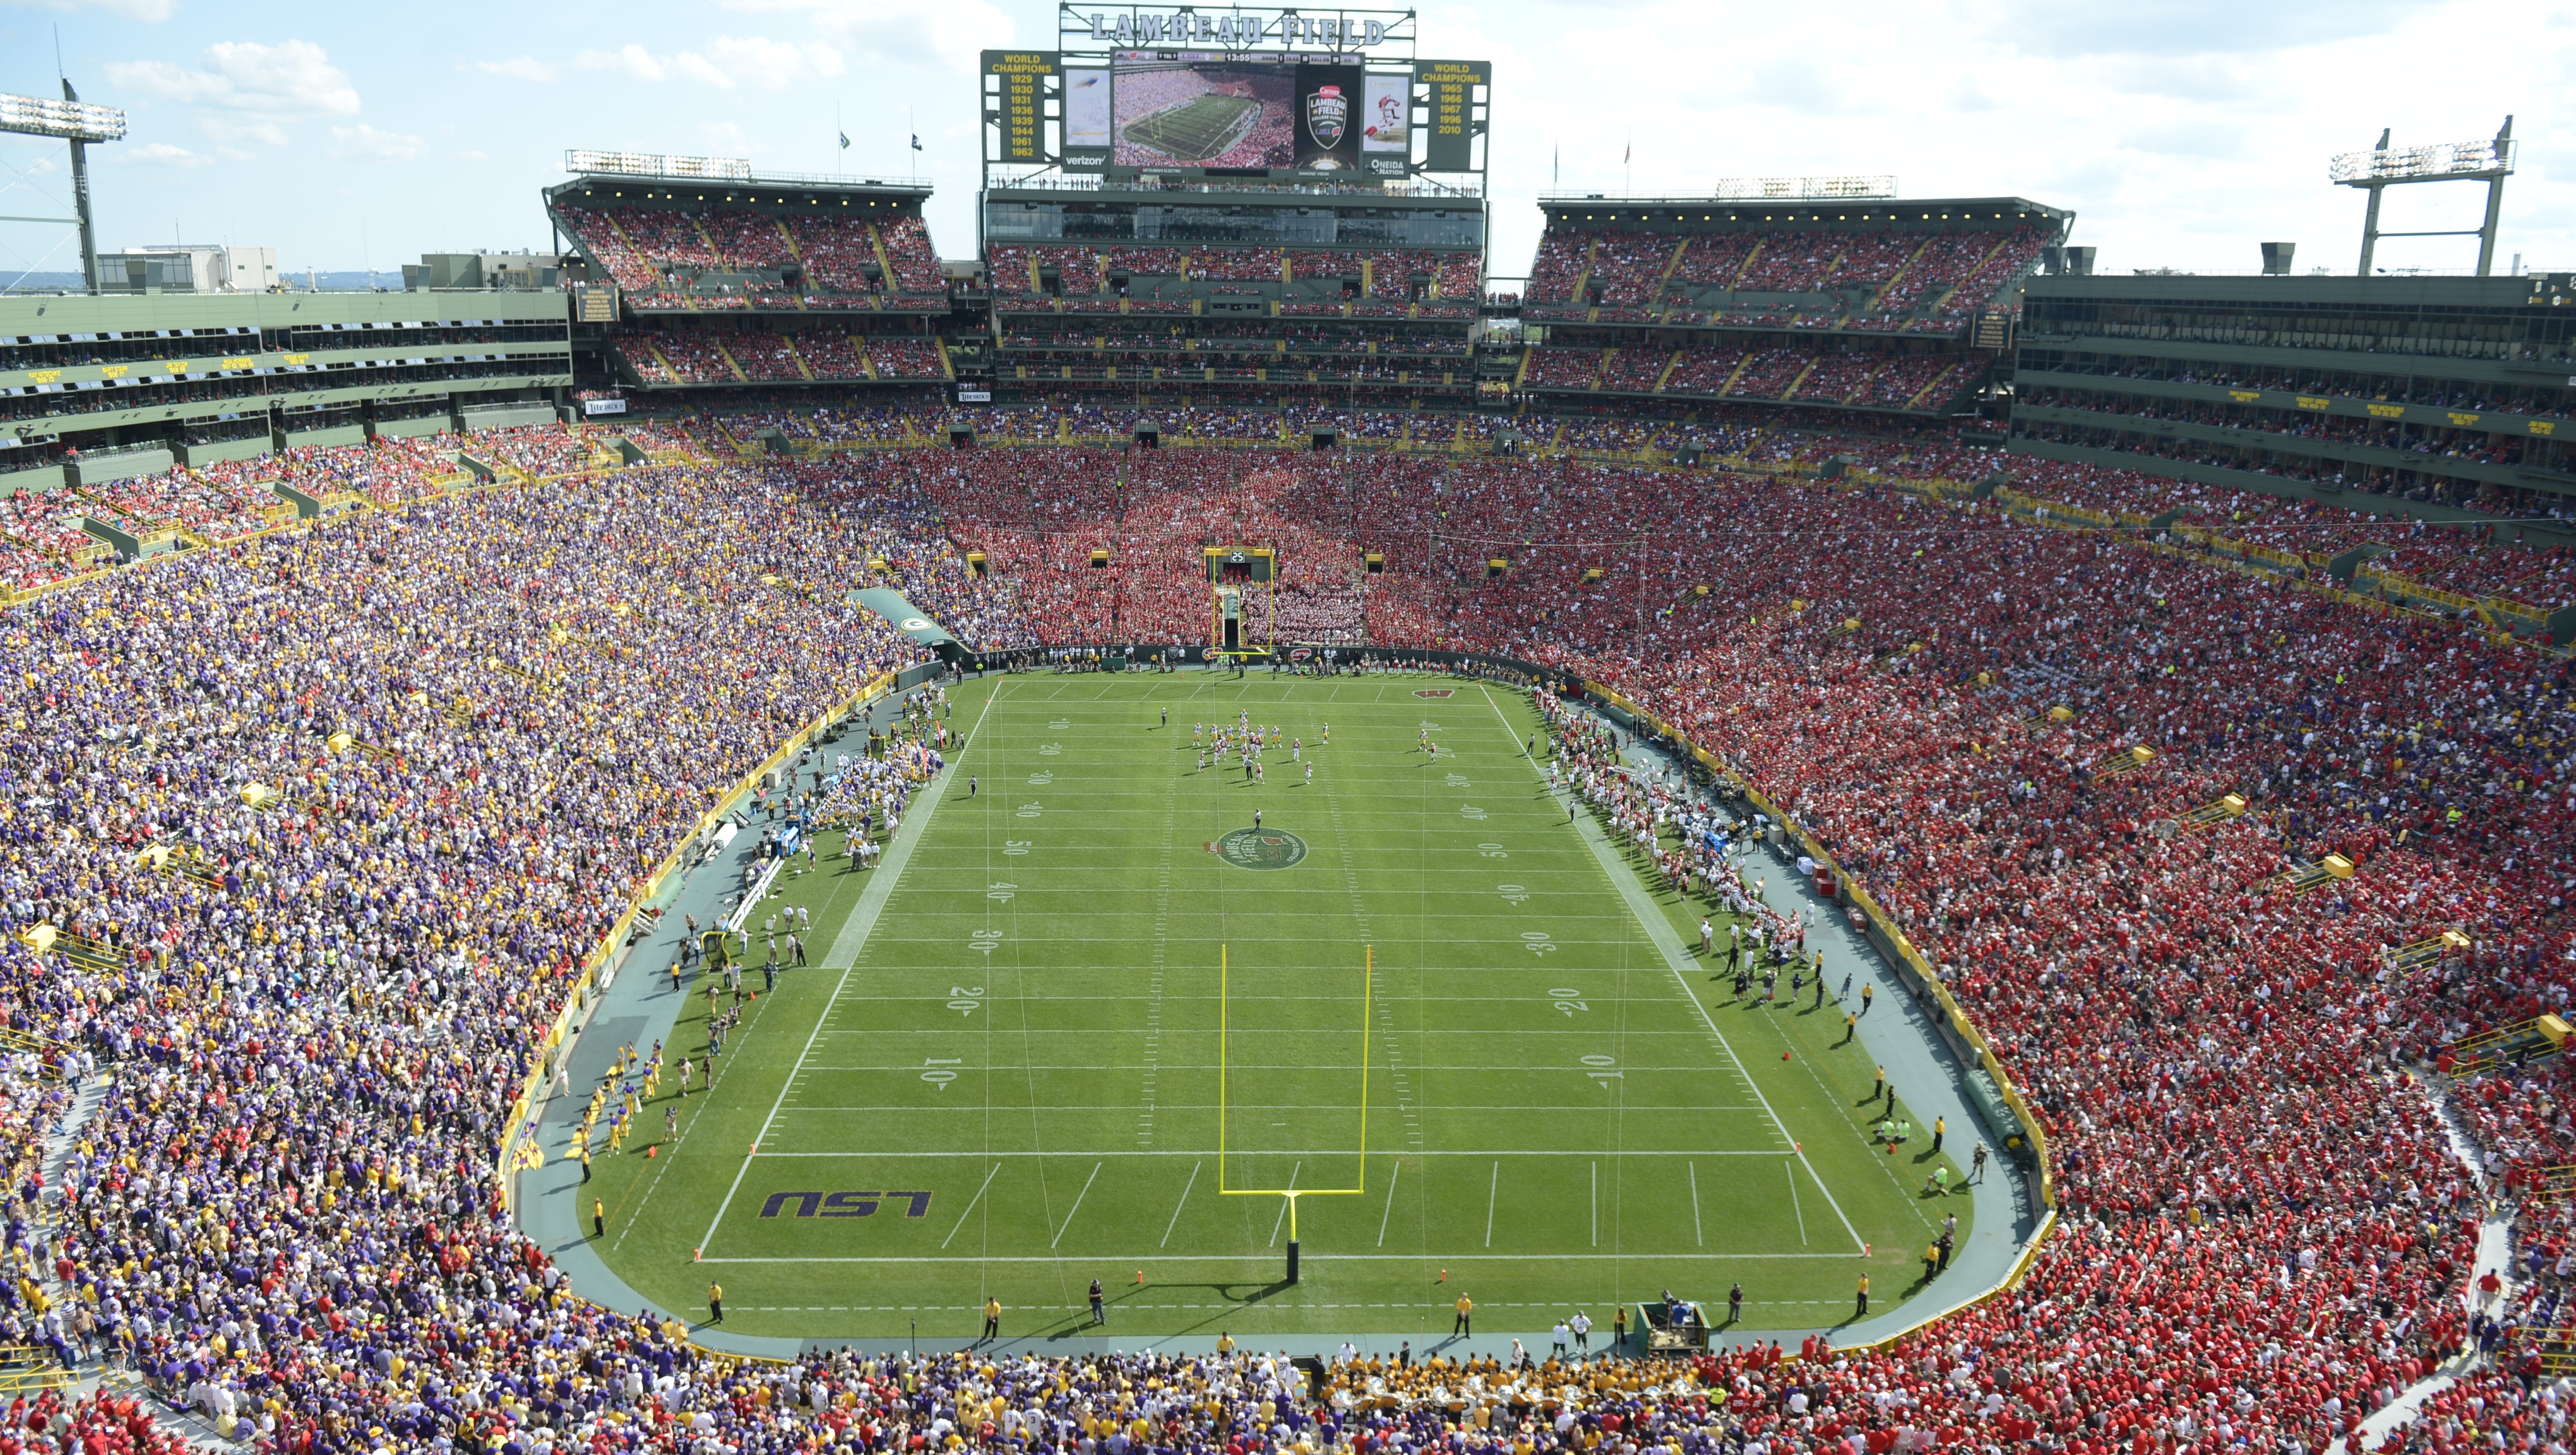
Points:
point(2379, 169)
point(73, 120)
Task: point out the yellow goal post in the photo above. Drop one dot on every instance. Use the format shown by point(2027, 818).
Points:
point(1368, 992)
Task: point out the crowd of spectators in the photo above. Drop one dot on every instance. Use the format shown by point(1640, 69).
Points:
point(316, 1032)
point(907, 358)
point(839, 254)
point(907, 249)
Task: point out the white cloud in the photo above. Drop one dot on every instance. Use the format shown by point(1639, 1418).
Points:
point(368, 144)
point(231, 126)
point(943, 37)
point(518, 68)
point(149, 11)
point(162, 154)
point(727, 62)
point(291, 78)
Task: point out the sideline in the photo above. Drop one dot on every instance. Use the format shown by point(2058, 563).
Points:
point(1900, 1035)
point(637, 1005)
point(1677, 962)
point(851, 940)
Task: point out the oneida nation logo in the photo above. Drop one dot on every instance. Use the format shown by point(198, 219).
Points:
point(1433, 691)
point(1260, 849)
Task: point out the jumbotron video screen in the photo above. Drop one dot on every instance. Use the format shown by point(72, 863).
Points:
point(1194, 109)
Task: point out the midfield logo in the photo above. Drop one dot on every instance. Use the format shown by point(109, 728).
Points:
point(1433, 691)
point(1260, 849)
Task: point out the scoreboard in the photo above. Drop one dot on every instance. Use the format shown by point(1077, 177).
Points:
point(1131, 90)
point(1024, 102)
point(1452, 95)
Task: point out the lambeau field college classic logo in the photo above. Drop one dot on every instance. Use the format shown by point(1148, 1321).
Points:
point(1328, 115)
point(1260, 849)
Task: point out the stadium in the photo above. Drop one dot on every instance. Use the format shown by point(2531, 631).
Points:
point(1881, 843)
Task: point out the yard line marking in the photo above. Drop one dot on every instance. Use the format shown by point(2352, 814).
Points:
point(1596, 1204)
point(1184, 1202)
point(847, 945)
point(1074, 1106)
point(1077, 1205)
point(1284, 1203)
point(1661, 933)
point(1696, 1236)
point(1493, 1186)
point(1266, 1260)
point(963, 1216)
point(871, 1155)
point(1792, 1169)
point(1391, 1180)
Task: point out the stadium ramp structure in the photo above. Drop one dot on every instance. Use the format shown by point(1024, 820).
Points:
point(2123, 762)
point(2401, 959)
point(2210, 815)
point(2306, 878)
point(2517, 1044)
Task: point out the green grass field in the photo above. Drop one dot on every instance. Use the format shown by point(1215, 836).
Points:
point(1014, 1085)
point(1195, 129)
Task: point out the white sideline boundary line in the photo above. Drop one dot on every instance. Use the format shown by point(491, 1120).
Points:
point(853, 935)
point(1651, 920)
point(1392, 1178)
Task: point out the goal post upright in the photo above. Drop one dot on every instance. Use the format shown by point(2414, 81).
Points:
point(1224, 1000)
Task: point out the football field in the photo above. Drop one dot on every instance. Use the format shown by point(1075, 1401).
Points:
point(1091, 1023)
point(1196, 129)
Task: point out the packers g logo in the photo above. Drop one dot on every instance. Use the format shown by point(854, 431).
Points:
point(914, 624)
point(1328, 115)
point(1260, 849)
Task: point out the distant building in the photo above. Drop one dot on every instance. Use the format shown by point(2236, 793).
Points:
point(188, 268)
point(483, 270)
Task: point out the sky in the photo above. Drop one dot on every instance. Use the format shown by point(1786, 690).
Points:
point(2181, 132)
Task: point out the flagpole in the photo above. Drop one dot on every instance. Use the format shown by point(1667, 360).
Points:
point(838, 132)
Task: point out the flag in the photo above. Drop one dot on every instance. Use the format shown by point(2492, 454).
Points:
point(845, 141)
point(916, 141)
point(1629, 155)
